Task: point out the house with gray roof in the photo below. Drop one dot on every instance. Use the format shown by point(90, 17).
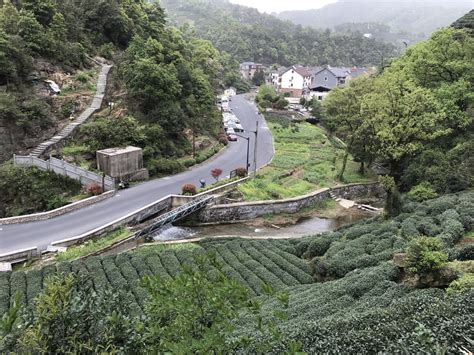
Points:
point(326, 79)
point(249, 69)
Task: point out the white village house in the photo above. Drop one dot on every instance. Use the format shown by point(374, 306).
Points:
point(295, 81)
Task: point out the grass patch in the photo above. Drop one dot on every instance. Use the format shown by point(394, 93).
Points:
point(219, 183)
point(305, 160)
point(75, 149)
point(91, 246)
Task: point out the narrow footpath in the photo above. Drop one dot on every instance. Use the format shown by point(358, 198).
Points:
point(94, 106)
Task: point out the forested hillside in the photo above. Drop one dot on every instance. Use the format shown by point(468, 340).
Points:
point(416, 118)
point(246, 34)
point(163, 85)
point(419, 18)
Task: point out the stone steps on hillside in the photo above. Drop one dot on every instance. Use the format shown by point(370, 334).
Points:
point(95, 105)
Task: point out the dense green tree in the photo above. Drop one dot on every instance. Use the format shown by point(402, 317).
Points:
point(259, 78)
point(43, 10)
point(403, 118)
point(9, 18)
point(345, 117)
point(31, 31)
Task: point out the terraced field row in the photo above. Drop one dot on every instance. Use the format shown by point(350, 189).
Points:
point(249, 262)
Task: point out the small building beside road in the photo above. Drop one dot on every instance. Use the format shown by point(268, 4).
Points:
point(122, 163)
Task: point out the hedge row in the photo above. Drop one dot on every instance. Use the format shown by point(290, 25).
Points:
point(250, 263)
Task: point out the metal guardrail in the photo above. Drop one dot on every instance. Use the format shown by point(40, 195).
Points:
point(176, 214)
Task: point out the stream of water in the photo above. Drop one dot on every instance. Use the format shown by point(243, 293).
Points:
point(306, 226)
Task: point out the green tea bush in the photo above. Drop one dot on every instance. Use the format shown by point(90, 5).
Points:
point(427, 226)
point(453, 227)
point(302, 247)
point(409, 229)
point(422, 192)
point(448, 214)
point(317, 247)
point(441, 204)
point(465, 252)
point(358, 230)
point(461, 285)
point(411, 207)
point(425, 254)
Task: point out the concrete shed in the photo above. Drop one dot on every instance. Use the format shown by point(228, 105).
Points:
point(120, 162)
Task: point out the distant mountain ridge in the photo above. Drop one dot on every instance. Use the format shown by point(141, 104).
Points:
point(414, 17)
point(248, 35)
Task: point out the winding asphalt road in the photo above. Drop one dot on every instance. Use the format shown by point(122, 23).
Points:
point(40, 234)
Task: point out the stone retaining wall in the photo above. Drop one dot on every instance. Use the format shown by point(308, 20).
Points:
point(171, 201)
point(20, 255)
point(57, 212)
point(250, 210)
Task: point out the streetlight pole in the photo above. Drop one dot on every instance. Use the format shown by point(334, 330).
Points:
point(255, 151)
point(248, 149)
point(254, 148)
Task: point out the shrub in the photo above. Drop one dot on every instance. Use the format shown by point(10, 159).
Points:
point(408, 228)
point(427, 226)
point(223, 140)
point(106, 50)
point(466, 252)
point(425, 254)
point(216, 173)
point(448, 214)
point(189, 162)
point(447, 238)
point(82, 77)
point(453, 227)
point(461, 285)
point(56, 201)
point(301, 247)
point(93, 189)
point(164, 166)
point(422, 192)
point(441, 204)
point(317, 247)
point(241, 172)
point(189, 189)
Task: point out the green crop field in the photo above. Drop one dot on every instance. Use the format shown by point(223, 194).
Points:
point(305, 160)
point(251, 263)
point(344, 288)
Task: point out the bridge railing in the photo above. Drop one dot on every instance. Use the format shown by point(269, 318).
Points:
point(176, 214)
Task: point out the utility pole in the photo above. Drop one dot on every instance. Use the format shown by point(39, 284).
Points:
point(255, 151)
point(248, 148)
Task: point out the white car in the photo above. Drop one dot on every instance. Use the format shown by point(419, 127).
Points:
point(235, 127)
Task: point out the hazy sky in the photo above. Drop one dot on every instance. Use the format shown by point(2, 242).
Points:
point(282, 5)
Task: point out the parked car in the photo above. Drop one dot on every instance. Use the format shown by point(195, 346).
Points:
point(238, 127)
point(235, 127)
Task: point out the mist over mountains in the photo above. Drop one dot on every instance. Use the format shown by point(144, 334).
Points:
point(420, 17)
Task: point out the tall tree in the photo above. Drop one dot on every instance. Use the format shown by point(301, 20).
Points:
point(347, 119)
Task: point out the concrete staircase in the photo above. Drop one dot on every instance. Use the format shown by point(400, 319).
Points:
point(95, 105)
